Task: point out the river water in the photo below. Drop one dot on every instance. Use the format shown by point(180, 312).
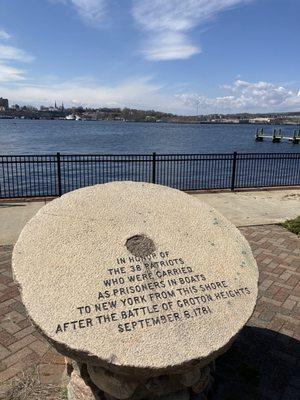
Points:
point(105, 137)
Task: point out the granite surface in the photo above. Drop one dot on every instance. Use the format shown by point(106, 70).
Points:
point(179, 304)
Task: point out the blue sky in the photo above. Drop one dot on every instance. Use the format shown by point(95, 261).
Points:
point(170, 55)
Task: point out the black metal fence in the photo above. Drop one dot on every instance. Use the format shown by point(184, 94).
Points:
point(53, 175)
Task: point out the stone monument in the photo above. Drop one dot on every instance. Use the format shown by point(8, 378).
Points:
point(140, 286)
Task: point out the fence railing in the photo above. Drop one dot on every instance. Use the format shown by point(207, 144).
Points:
point(54, 175)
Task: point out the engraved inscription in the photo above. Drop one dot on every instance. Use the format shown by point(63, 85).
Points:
point(149, 291)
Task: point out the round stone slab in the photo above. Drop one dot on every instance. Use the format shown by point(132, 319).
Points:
point(135, 277)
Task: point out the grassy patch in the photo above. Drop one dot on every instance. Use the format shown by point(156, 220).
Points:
point(27, 386)
point(293, 225)
point(64, 394)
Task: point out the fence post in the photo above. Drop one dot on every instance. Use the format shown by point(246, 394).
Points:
point(153, 167)
point(58, 174)
point(233, 171)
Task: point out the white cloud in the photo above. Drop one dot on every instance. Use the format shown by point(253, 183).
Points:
point(177, 15)
point(144, 93)
point(8, 55)
point(169, 46)
point(139, 92)
point(91, 11)
point(14, 54)
point(246, 97)
point(4, 34)
point(165, 23)
point(10, 74)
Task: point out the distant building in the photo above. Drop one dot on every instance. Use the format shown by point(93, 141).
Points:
point(44, 108)
point(260, 120)
point(56, 108)
point(15, 107)
point(4, 103)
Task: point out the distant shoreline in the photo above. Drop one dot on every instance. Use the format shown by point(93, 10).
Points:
point(155, 122)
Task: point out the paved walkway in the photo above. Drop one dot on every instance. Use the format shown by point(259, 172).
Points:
point(243, 208)
point(263, 364)
point(21, 346)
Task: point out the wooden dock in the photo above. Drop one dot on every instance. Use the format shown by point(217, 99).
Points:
point(277, 136)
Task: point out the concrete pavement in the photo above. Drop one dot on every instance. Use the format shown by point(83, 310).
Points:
point(13, 217)
point(241, 208)
point(255, 207)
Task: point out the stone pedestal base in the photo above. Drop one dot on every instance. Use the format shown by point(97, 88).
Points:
point(89, 382)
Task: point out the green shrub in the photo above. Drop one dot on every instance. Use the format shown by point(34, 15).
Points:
point(293, 225)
